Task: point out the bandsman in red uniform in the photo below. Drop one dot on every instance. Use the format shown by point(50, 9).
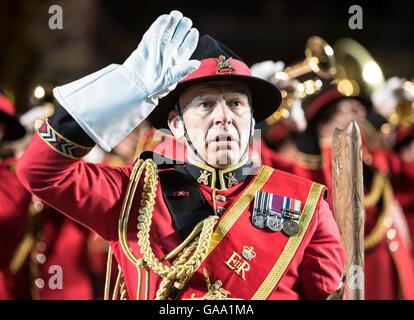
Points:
point(393, 100)
point(50, 261)
point(14, 198)
point(388, 264)
point(213, 226)
point(402, 170)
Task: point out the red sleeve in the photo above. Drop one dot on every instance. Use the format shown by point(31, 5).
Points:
point(90, 194)
point(324, 259)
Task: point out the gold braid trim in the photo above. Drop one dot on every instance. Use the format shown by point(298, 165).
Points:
point(115, 294)
point(108, 274)
point(29, 240)
point(308, 161)
point(380, 229)
point(291, 247)
point(125, 210)
point(123, 290)
point(191, 257)
point(377, 189)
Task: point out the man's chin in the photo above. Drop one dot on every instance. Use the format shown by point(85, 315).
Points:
point(224, 158)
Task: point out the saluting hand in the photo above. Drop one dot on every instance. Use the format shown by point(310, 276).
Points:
point(162, 57)
point(110, 103)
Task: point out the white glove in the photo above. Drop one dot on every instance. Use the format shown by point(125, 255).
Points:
point(110, 103)
point(267, 69)
point(29, 118)
point(297, 115)
point(384, 98)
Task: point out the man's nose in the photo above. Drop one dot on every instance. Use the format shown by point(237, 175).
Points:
point(222, 113)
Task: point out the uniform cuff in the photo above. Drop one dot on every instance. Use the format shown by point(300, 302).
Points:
point(66, 125)
point(61, 144)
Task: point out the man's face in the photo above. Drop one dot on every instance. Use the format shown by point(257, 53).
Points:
point(217, 116)
point(345, 111)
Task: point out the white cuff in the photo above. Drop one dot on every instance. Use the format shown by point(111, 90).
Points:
point(106, 105)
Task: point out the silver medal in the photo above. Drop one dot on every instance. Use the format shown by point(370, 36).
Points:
point(274, 223)
point(258, 220)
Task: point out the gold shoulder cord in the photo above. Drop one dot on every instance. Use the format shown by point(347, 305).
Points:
point(374, 195)
point(190, 253)
point(137, 168)
point(381, 187)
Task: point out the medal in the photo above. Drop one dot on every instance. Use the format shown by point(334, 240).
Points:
point(274, 223)
point(276, 213)
point(290, 228)
point(258, 220)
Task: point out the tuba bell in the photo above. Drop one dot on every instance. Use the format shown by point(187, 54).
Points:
point(358, 74)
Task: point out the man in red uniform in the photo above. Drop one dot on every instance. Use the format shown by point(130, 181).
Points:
point(388, 264)
point(402, 172)
point(211, 227)
point(14, 198)
point(45, 254)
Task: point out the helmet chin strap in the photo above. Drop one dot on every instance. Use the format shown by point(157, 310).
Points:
point(194, 149)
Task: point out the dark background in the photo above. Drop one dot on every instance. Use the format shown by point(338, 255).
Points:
point(99, 32)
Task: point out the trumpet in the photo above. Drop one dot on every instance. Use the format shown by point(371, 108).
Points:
point(319, 60)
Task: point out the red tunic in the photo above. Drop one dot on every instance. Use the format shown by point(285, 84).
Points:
point(14, 203)
point(92, 195)
point(403, 180)
point(65, 250)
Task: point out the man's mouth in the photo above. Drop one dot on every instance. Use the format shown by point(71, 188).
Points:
point(223, 141)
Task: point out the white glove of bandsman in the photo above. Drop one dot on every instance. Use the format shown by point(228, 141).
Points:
point(267, 70)
point(387, 97)
point(110, 103)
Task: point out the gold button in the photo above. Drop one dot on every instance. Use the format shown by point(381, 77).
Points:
point(40, 258)
point(394, 246)
point(220, 198)
point(220, 210)
point(41, 246)
point(391, 234)
point(40, 283)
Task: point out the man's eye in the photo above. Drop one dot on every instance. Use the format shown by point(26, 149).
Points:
point(206, 105)
point(236, 104)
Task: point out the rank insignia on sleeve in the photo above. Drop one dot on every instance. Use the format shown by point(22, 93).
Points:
point(276, 213)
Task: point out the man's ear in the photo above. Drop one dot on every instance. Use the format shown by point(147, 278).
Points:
point(175, 124)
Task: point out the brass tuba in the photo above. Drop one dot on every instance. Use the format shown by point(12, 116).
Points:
point(319, 60)
point(358, 74)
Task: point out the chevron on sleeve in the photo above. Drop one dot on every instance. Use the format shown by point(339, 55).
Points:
point(61, 144)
